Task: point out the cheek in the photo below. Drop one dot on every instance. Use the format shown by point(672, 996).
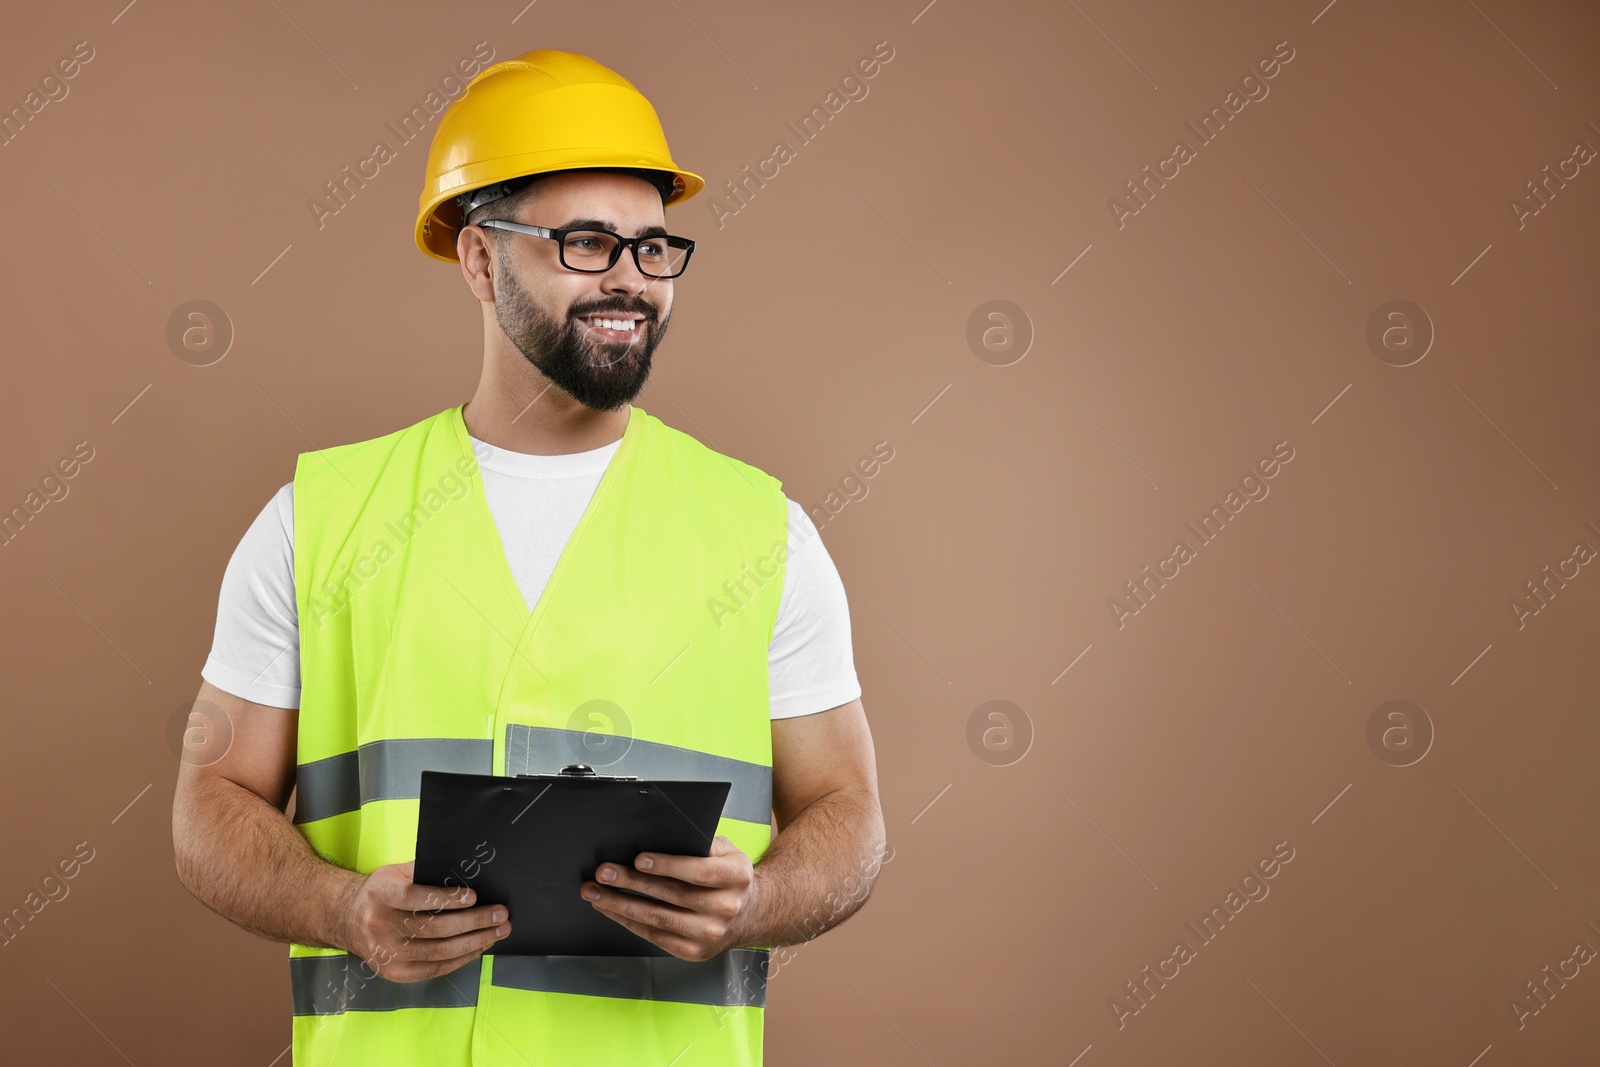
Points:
point(559, 295)
point(659, 301)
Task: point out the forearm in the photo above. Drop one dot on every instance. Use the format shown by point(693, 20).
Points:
point(817, 872)
point(243, 859)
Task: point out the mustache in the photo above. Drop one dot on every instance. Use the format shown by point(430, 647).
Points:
point(648, 312)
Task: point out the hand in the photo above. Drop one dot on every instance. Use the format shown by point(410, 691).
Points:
point(701, 902)
point(391, 923)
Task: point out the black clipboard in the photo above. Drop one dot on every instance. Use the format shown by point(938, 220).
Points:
point(530, 841)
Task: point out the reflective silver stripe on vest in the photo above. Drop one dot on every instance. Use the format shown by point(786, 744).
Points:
point(735, 978)
point(543, 749)
point(332, 985)
point(383, 770)
point(391, 769)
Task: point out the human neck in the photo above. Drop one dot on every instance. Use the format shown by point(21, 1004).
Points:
point(544, 421)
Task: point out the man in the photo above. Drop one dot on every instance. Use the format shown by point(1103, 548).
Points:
point(609, 585)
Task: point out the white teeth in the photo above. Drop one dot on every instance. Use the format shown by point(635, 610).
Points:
point(623, 325)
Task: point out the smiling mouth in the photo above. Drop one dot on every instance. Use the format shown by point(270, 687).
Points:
point(614, 327)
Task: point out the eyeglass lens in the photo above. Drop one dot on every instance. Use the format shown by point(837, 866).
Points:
point(591, 250)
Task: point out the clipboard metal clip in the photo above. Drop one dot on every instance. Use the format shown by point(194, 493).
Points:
point(583, 770)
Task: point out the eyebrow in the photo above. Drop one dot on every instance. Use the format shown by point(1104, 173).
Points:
point(607, 224)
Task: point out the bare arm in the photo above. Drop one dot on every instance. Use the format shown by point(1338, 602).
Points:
point(830, 845)
point(817, 872)
point(239, 855)
point(235, 849)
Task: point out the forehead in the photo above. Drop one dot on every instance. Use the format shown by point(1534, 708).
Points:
point(618, 202)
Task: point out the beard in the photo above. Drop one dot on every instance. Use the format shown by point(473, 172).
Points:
point(597, 373)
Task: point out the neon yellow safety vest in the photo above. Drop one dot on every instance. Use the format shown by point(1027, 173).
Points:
point(647, 649)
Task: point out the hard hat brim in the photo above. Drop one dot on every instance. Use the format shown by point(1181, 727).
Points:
point(439, 223)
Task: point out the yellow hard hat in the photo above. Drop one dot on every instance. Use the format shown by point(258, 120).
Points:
point(540, 112)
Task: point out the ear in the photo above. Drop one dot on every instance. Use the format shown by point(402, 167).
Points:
point(477, 262)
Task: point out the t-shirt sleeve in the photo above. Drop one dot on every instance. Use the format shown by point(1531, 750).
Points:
point(255, 651)
point(811, 663)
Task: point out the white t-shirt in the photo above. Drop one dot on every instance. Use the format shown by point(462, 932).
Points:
point(536, 502)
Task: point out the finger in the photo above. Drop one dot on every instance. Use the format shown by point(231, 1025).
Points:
point(428, 924)
point(671, 890)
point(435, 898)
point(418, 970)
point(397, 888)
point(679, 946)
point(445, 948)
point(667, 917)
point(712, 872)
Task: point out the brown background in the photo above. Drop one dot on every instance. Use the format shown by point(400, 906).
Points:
point(828, 314)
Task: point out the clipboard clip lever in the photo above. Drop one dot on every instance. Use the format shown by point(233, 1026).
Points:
point(583, 770)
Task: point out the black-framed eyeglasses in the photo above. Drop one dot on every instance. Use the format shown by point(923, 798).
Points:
point(591, 251)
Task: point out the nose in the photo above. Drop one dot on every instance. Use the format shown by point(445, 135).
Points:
point(625, 274)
